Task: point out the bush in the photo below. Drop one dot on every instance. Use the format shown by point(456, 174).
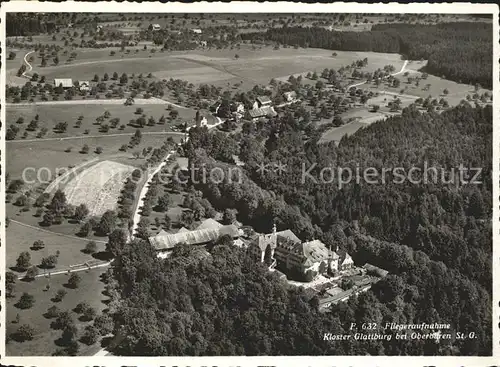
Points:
point(26, 301)
point(25, 332)
point(91, 247)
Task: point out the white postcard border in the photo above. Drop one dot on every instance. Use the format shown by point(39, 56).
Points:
point(254, 7)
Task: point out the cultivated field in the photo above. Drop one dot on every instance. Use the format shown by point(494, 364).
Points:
point(98, 186)
point(218, 67)
point(44, 342)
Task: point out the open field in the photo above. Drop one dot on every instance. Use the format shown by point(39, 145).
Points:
point(214, 66)
point(51, 114)
point(20, 238)
point(51, 154)
point(437, 85)
point(98, 186)
point(43, 343)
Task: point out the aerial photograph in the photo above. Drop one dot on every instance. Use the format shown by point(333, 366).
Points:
point(248, 184)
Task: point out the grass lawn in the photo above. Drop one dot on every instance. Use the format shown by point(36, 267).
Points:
point(43, 343)
point(20, 238)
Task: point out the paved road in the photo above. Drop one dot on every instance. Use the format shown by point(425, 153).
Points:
point(94, 136)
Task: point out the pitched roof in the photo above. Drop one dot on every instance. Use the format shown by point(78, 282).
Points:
point(196, 237)
point(66, 83)
point(209, 224)
point(315, 251)
point(263, 99)
point(261, 112)
point(182, 230)
point(288, 234)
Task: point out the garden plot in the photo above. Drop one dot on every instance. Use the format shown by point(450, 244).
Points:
point(99, 186)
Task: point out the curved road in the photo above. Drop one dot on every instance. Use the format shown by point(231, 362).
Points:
point(27, 63)
point(366, 81)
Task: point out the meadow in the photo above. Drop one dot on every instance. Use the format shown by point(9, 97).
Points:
point(44, 341)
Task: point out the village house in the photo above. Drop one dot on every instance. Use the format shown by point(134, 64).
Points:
point(84, 85)
point(262, 107)
point(262, 101)
point(200, 120)
point(155, 27)
point(65, 83)
point(208, 231)
point(196, 30)
point(290, 96)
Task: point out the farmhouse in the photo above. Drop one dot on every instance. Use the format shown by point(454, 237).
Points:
point(65, 83)
point(256, 113)
point(196, 30)
point(200, 120)
point(84, 85)
point(262, 101)
point(290, 96)
point(155, 27)
point(293, 256)
point(208, 231)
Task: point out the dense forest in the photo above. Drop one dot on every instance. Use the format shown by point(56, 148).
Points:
point(28, 24)
point(226, 304)
point(434, 239)
point(459, 51)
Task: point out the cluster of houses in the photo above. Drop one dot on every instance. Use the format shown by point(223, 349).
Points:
point(262, 107)
point(66, 83)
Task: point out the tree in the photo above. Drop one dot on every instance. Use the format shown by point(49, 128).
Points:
point(81, 307)
point(31, 273)
point(446, 91)
point(38, 245)
point(74, 281)
point(108, 222)
point(10, 283)
point(12, 55)
point(104, 324)
point(116, 241)
point(49, 262)
point(90, 335)
point(26, 301)
point(60, 295)
point(164, 202)
point(91, 247)
point(52, 312)
point(23, 262)
point(167, 222)
point(81, 212)
point(115, 76)
point(236, 56)
point(229, 216)
point(123, 79)
point(98, 150)
point(89, 313)
point(25, 332)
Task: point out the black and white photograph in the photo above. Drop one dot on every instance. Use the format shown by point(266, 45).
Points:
point(224, 183)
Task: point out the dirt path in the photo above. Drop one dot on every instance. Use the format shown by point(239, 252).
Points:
point(54, 233)
point(69, 270)
point(94, 136)
point(366, 81)
point(27, 63)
